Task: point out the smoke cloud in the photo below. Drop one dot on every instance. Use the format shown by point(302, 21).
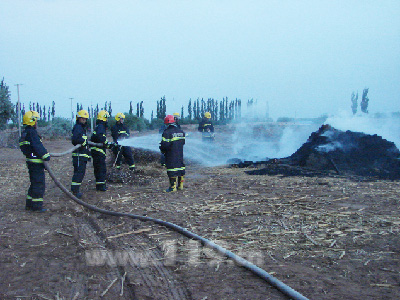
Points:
point(261, 140)
point(384, 126)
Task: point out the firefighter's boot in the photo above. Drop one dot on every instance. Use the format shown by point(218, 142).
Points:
point(172, 185)
point(75, 191)
point(181, 179)
point(38, 207)
point(28, 203)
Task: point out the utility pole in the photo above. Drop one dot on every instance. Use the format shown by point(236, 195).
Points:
point(91, 114)
point(72, 114)
point(18, 110)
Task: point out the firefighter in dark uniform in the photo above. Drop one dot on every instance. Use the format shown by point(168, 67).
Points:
point(163, 127)
point(32, 147)
point(119, 132)
point(177, 117)
point(173, 139)
point(99, 153)
point(206, 128)
point(81, 155)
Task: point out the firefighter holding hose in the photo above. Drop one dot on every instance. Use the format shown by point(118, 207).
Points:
point(206, 127)
point(99, 153)
point(172, 142)
point(32, 147)
point(81, 155)
point(119, 132)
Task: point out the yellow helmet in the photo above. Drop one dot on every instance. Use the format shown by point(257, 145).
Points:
point(82, 114)
point(176, 115)
point(207, 115)
point(30, 117)
point(119, 116)
point(103, 115)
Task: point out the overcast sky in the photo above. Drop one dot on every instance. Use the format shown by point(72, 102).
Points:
point(303, 57)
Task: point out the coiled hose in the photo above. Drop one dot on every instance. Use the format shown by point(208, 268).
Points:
point(283, 288)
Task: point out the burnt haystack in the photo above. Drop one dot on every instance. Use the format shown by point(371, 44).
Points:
point(348, 152)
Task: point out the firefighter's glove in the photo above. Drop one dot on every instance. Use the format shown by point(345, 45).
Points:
point(112, 146)
point(46, 157)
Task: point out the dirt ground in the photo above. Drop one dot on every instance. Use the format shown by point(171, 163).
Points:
point(328, 237)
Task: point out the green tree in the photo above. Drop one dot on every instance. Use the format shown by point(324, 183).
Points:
point(364, 101)
point(53, 109)
point(190, 109)
point(6, 107)
point(354, 103)
point(163, 108)
point(141, 109)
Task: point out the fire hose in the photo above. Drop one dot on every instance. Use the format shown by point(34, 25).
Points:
point(283, 288)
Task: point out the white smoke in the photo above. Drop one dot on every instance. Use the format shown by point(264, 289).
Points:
point(194, 149)
point(255, 141)
point(386, 127)
point(245, 141)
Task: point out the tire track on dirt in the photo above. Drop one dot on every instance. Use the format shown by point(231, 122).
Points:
point(146, 277)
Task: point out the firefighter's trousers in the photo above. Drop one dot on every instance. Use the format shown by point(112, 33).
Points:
point(100, 169)
point(126, 152)
point(79, 172)
point(34, 198)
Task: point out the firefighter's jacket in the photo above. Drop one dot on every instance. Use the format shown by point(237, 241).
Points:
point(79, 137)
point(163, 127)
point(206, 125)
point(119, 131)
point(99, 136)
point(32, 147)
point(173, 139)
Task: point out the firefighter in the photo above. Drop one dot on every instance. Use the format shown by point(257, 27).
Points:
point(206, 128)
point(32, 147)
point(81, 155)
point(99, 153)
point(173, 139)
point(177, 118)
point(119, 132)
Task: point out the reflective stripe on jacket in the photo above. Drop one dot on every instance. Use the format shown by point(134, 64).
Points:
point(172, 142)
point(79, 137)
point(32, 147)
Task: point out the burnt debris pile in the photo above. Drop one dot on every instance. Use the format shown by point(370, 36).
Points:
point(344, 152)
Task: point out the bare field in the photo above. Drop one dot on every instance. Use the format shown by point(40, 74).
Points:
point(328, 237)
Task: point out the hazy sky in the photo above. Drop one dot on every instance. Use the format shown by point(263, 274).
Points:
point(303, 57)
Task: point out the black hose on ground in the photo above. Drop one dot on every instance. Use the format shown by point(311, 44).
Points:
point(283, 288)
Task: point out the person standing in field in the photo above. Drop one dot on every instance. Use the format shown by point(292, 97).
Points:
point(81, 155)
point(31, 146)
point(171, 145)
point(99, 153)
point(206, 127)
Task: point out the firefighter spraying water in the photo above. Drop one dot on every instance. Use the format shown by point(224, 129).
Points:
point(120, 132)
point(172, 142)
point(206, 127)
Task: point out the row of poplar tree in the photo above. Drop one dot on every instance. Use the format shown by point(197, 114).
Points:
point(221, 111)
